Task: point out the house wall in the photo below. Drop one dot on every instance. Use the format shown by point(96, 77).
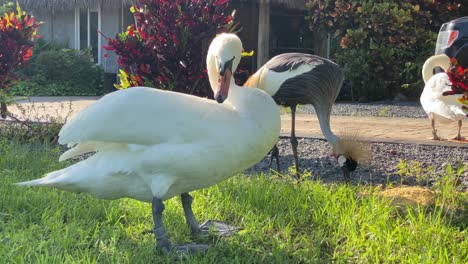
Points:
point(64, 27)
point(111, 24)
point(45, 30)
point(59, 27)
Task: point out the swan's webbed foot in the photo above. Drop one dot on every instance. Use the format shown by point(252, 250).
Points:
point(459, 138)
point(209, 227)
point(218, 228)
point(186, 249)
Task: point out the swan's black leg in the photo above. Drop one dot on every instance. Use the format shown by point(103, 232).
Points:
point(189, 216)
point(217, 227)
point(434, 131)
point(159, 229)
point(459, 137)
point(163, 241)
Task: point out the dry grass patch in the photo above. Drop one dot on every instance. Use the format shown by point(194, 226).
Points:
point(410, 195)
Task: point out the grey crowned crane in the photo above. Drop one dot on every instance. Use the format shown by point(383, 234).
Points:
point(298, 78)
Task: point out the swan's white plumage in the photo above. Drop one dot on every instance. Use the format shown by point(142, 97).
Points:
point(445, 109)
point(152, 143)
point(164, 116)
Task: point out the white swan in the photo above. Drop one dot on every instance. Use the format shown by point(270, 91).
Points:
point(444, 109)
point(152, 145)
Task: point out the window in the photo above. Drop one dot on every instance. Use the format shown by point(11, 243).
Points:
point(87, 24)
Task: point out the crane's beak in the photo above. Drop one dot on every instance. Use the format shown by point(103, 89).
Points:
point(346, 173)
point(224, 81)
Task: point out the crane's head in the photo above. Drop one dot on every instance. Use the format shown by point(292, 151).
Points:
point(349, 153)
point(224, 55)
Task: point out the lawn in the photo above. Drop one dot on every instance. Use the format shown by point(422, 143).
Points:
point(282, 221)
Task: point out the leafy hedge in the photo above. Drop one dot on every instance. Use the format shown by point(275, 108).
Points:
point(58, 71)
point(383, 44)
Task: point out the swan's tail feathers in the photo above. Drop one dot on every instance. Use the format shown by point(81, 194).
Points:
point(49, 180)
point(440, 60)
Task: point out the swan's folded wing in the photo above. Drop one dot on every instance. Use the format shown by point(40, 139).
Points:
point(144, 116)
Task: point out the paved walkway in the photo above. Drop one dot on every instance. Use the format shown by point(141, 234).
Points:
point(376, 129)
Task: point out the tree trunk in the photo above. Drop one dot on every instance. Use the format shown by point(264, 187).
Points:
point(320, 44)
point(3, 110)
point(263, 52)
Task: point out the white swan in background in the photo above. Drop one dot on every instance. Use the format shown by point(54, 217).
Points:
point(444, 109)
point(299, 78)
point(152, 145)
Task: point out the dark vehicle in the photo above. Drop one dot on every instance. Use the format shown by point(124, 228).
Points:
point(453, 40)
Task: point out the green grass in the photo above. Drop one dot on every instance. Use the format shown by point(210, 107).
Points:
point(283, 222)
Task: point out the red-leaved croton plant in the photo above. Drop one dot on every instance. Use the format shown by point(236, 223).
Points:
point(459, 78)
point(17, 38)
point(167, 46)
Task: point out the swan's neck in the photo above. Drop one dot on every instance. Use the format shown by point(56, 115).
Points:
point(235, 94)
point(441, 60)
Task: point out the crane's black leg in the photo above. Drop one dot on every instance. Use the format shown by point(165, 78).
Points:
point(217, 227)
point(275, 154)
point(159, 229)
point(294, 139)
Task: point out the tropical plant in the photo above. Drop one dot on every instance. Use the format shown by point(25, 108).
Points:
point(167, 46)
point(17, 38)
point(459, 82)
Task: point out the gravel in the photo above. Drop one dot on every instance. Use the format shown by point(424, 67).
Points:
point(426, 163)
point(315, 156)
point(382, 109)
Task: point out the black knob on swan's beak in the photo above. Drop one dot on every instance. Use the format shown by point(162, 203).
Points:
point(219, 98)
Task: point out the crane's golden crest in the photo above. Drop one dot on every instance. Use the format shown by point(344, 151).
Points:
point(350, 146)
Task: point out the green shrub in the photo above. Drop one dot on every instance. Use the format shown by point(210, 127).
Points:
point(57, 71)
point(7, 7)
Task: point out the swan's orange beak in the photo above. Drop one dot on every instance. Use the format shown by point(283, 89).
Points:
point(224, 81)
point(223, 86)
